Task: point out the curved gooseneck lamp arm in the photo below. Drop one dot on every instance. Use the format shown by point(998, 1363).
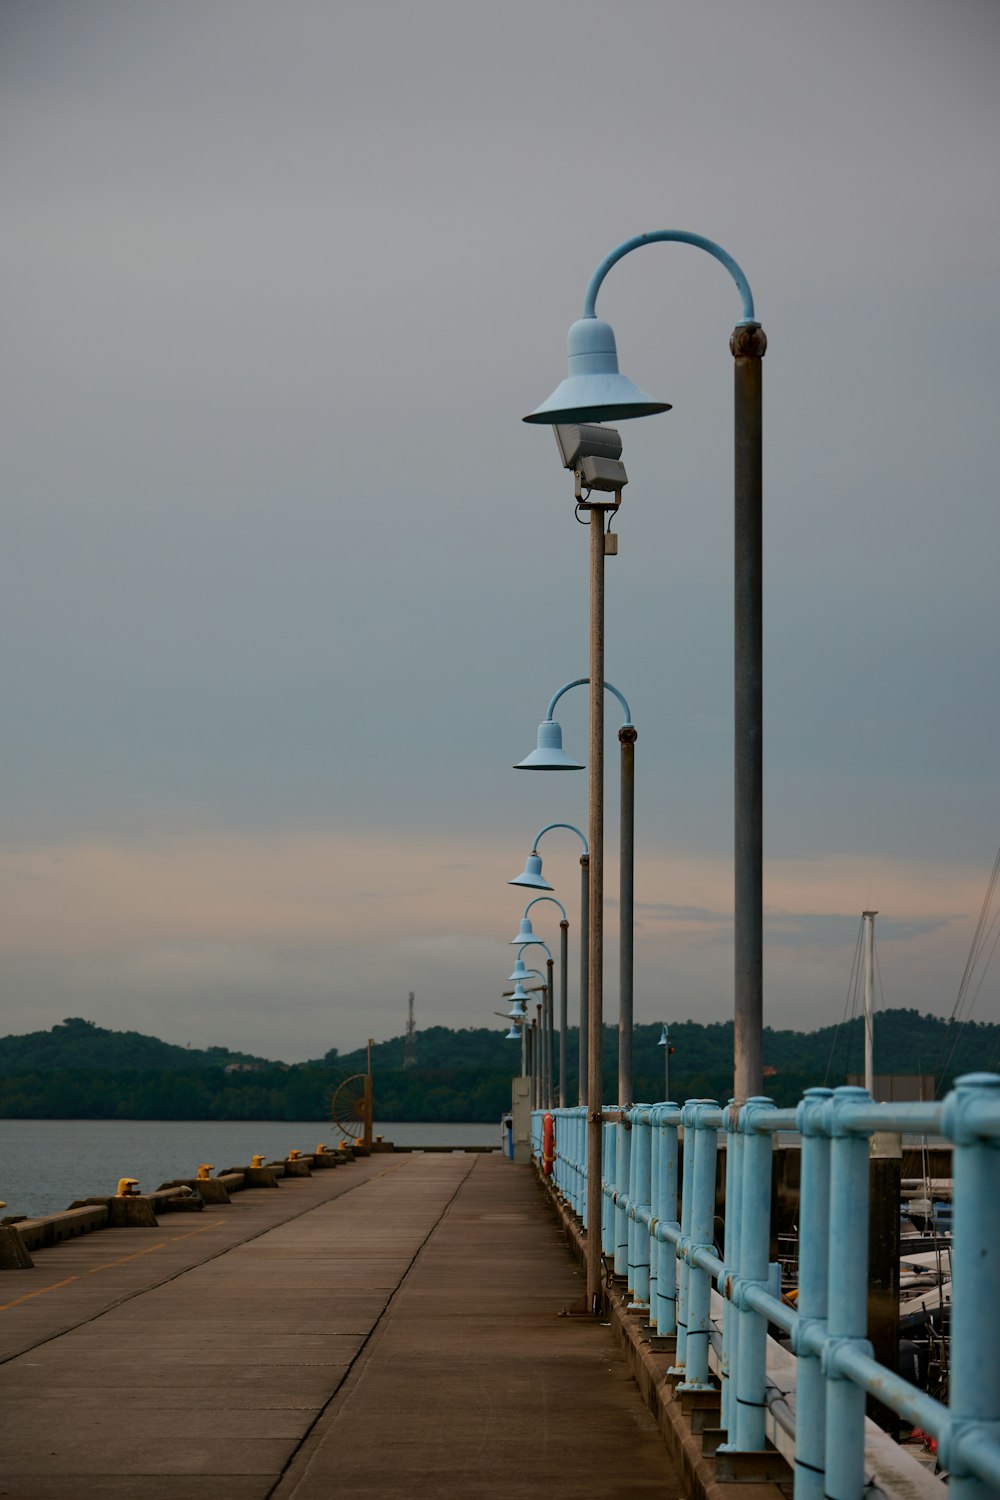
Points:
point(679, 236)
point(554, 901)
point(539, 943)
point(581, 682)
point(572, 828)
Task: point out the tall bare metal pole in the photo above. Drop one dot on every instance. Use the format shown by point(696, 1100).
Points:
point(626, 878)
point(563, 1007)
point(595, 1007)
point(748, 344)
point(868, 918)
point(583, 1049)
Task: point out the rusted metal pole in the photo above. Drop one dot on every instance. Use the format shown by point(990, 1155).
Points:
point(595, 1007)
point(549, 1057)
point(748, 344)
point(563, 1007)
point(627, 737)
point(582, 1079)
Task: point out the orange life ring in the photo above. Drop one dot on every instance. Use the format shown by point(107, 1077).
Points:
point(548, 1145)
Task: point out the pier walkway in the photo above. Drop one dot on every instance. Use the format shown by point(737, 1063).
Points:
point(390, 1330)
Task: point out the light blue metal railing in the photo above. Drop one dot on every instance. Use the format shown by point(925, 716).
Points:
point(660, 1236)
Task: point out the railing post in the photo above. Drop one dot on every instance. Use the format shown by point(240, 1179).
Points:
point(654, 1215)
point(626, 1234)
point(975, 1319)
point(666, 1277)
point(624, 1143)
point(847, 1311)
point(584, 1159)
point(609, 1188)
point(747, 1403)
point(639, 1194)
point(701, 1232)
point(731, 1260)
point(687, 1178)
point(814, 1229)
point(622, 1173)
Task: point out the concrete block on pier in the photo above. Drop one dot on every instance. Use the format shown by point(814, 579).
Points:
point(324, 1160)
point(52, 1229)
point(13, 1251)
point(260, 1177)
point(210, 1189)
point(123, 1213)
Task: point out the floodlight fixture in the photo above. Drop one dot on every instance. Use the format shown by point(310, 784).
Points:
point(593, 454)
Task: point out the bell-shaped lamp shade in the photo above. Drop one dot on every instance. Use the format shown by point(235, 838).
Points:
point(525, 933)
point(549, 754)
point(594, 390)
point(520, 973)
point(518, 1010)
point(519, 999)
point(532, 874)
point(513, 1034)
point(665, 1038)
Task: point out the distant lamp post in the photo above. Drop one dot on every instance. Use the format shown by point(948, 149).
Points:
point(546, 1038)
point(533, 879)
point(549, 755)
point(664, 1042)
point(595, 391)
point(525, 935)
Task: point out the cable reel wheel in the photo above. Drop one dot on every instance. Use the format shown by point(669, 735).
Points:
point(349, 1107)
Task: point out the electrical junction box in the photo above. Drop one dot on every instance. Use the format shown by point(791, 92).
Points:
point(521, 1111)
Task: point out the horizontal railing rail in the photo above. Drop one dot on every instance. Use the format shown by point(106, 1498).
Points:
point(658, 1232)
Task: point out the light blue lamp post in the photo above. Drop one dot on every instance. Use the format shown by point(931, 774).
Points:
point(546, 1057)
point(526, 934)
point(664, 1042)
point(549, 755)
point(541, 1087)
point(533, 879)
point(537, 1041)
point(595, 391)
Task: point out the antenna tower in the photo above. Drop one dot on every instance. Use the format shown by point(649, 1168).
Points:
point(410, 1055)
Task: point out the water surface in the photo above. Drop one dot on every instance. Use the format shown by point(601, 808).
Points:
point(46, 1164)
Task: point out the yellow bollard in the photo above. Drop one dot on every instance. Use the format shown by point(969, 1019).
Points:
point(127, 1187)
point(293, 1155)
point(205, 1171)
point(321, 1149)
point(256, 1161)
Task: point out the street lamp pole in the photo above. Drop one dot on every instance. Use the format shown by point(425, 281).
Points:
point(595, 391)
point(547, 995)
point(526, 934)
point(549, 755)
point(533, 879)
point(595, 1008)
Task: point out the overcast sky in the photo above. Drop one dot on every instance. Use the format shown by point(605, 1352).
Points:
point(287, 585)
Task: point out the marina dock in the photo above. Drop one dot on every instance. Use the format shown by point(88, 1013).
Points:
point(391, 1328)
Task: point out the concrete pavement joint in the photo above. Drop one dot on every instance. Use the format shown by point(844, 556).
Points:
point(363, 1348)
point(175, 1276)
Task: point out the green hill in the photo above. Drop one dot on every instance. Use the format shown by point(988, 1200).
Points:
point(75, 1043)
point(82, 1071)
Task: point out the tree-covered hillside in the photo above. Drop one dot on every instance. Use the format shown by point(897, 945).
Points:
point(76, 1043)
point(81, 1071)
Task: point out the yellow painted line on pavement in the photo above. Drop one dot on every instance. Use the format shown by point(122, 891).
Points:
point(54, 1286)
point(192, 1232)
point(134, 1256)
point(28, 1295)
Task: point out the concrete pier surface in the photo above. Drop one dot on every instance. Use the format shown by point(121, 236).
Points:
point(390, 1329)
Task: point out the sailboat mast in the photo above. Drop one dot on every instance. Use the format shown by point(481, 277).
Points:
point(868, 918)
